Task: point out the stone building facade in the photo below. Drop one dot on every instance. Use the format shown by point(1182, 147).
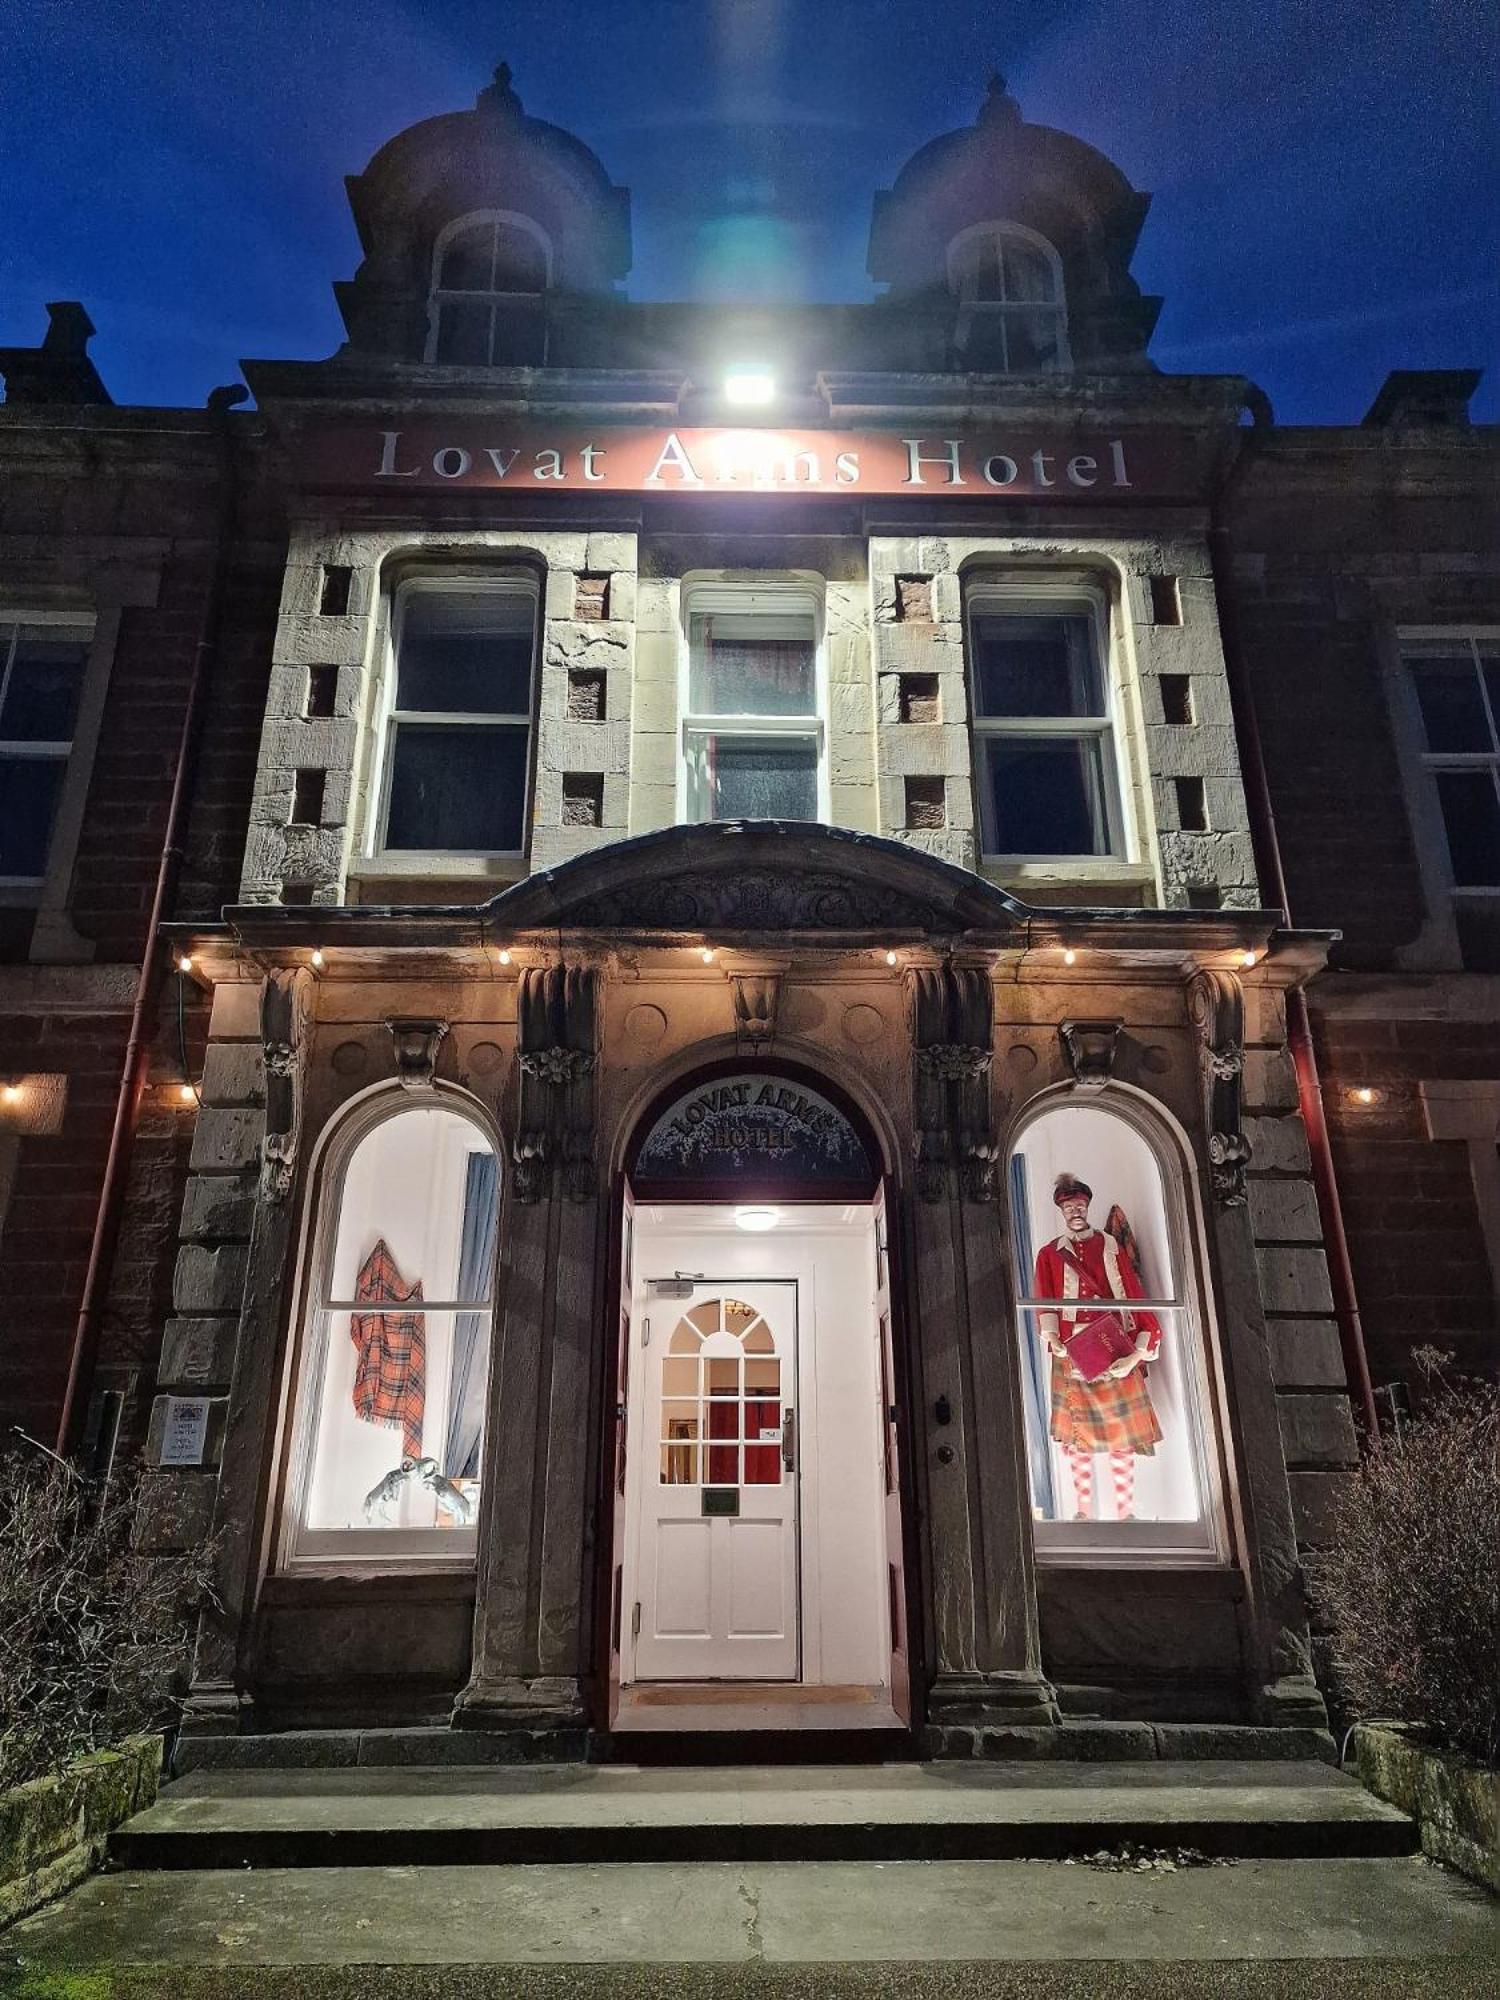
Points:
point(627, 913)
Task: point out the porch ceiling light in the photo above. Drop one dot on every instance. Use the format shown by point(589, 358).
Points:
point(749, 383)
point(756, 1219)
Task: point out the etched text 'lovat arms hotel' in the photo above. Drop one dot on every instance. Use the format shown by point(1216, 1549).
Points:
point(805, 994)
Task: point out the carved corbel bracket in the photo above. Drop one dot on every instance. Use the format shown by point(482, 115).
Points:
point(755, 984)
point(952, 1053)
point(1216, 1007)
point(416, 1044)
point(285, 1012)
point(558, 1054)
point(1090, 1049)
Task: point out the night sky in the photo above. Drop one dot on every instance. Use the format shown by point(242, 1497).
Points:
point(1325, 174)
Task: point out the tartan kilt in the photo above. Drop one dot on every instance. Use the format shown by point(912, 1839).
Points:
point(1114, 1414)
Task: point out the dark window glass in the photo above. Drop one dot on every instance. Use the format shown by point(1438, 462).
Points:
point(1471, 818)
point(463, 338)
point(462, 789)
point(1026, 664)
point(41, 694)
point(28, 800)
point(1045, 795)
point(468, 260)
point(1452, 706)
point(520, 261)
point(1028, 275)
point(739, 670)
point(1489, 666)
point(466, 652)
point(1032, 342)
point(762, 777)
point(518, 334)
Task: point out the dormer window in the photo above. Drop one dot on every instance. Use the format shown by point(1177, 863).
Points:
point(488, 276)
point(1012, 319)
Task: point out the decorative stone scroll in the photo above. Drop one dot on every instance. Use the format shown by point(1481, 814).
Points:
point(285, 1010)
point(556, 1008)
point(1090, 1049)
point(1216, 1006)
point(952, 1052)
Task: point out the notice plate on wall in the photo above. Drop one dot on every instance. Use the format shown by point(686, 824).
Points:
point(721, 1500)
point(184, 1431)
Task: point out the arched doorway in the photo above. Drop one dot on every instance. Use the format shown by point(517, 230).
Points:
point(757, 1571)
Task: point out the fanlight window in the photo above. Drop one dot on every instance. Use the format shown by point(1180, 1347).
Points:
point(389, 1417)
point(721, 1392)
point(1111, 1343)
point(486, 308)
point(1012, 319)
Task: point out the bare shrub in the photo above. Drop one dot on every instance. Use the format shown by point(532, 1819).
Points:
point(1410, 1582)
point(93, 1632)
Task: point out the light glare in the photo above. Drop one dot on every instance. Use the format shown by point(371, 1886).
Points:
point(749, 384)
point(756, 1219)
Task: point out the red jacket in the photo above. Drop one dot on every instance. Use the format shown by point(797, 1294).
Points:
point(1093, 1282)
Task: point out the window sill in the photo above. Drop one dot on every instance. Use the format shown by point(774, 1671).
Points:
point(1104, 873)
point(427, 878)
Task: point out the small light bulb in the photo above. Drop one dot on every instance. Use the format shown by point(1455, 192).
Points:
point(187, 1093)
point(1070, 957)
point(1247, 960)
point(1364, 1094)
point(316, 960)
point(184, 964)
point(11, 1093)
point(707, 955)
point(890, 958)
point(505, 958)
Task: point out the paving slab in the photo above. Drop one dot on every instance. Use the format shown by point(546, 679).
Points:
point(1396, 1920)
point(607, 1813)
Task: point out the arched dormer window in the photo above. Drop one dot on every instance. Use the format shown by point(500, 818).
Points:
point(393, 1359)
point(489, 273)
point(1110, 1319)
point(1012, 317)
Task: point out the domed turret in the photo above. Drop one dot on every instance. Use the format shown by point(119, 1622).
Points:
point(1030, 232)
point(467, 222)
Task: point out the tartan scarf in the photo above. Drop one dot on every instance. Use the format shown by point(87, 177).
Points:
point(390, 1374)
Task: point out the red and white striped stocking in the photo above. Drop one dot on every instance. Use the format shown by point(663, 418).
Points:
point(1122, 1474)
point(1081, 1465)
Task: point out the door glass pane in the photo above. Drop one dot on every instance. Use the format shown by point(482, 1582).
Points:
point(679, 1420)
point(723, 1376)
point(1045, 795)
point(679, 1377)
point(762, 1464)
point(745, 663)
point(765, 777)
point(466, 652)
point(679, 1465)
point(723, 1465)
point(29, 787)
point(724, 1419)
point(458, 788)
point(1471, 816)
point(41, 696)
point(1034, 664)
point(1452, 705)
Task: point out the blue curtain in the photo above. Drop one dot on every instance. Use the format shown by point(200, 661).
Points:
point(1035, 1373)
point(471, 1347)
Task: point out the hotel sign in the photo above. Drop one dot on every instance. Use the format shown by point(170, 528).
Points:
point(1029, 464)
point(748, 1130)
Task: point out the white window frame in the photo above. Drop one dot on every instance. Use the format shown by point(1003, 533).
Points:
point(1204, 1543)
point(30, 889)
point(999, 234)
point(501, 582)
point(1412, 643)
point(439, 294)
point(301, 1550)
point(1015, 595)
point(773, 597)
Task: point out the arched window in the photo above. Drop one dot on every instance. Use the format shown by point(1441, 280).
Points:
point(1012, 317)
point(488, 276)
point(394, 1358)
point(1111, 1341)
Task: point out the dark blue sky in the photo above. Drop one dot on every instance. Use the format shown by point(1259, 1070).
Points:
point(1325, 172)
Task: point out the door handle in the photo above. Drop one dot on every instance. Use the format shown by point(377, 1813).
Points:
point(789, 1439)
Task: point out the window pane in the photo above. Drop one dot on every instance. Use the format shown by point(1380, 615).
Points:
point(29, 787)
point(457, 788)
point(767, 777)
point(464, 333)
point(1033, 340)
point(1045, 795)
point(1030, 663)
point(1471, 816)
point(520, 261)
point(1489, 666)
point(979, 271)
point(1452, 705)
point(1028, 275)
point(466, 652)
point(395, 1392)
point(41, 697)
point(748, 665)
point(467, 259)
point(518, 336)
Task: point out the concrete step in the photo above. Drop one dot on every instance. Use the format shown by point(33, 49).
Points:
point(600, 1814)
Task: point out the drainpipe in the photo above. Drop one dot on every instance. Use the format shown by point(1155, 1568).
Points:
point(148, 984)
point(1298, 1025)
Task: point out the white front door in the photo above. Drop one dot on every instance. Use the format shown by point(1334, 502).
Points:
point(715, 1483)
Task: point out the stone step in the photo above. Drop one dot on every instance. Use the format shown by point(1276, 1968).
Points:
point(596, 1814)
